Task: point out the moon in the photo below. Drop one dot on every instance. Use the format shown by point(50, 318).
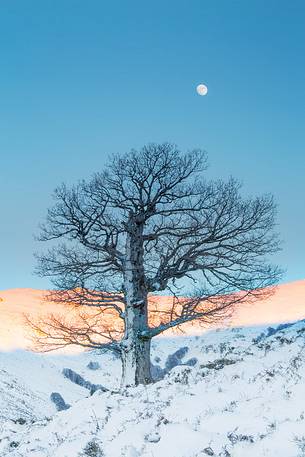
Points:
point(202, 89)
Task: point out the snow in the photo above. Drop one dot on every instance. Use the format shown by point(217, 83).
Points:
point(244, 397)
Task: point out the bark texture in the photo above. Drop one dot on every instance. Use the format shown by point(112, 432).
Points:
point(135, 347)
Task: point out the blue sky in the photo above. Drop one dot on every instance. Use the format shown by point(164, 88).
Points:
point(80, 80)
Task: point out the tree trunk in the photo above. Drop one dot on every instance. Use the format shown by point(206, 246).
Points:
point(136, 349)
point(136, 363)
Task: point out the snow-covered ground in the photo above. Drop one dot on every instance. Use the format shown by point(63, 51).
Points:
point(245, 396)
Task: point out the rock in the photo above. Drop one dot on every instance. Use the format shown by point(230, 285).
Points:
point(208, 451)
point(80, 381)
point(93, 366)
point(157, 372)
point(20, 421)
point(174, 359)
point(152, 437)
point(191, 362)
point(14, 444)
point(59, 402)
point(74, 377)
point(272, 330)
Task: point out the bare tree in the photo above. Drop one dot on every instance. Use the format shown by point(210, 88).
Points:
point(150, 223)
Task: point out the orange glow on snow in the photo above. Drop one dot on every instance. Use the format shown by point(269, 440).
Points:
point(287, 304)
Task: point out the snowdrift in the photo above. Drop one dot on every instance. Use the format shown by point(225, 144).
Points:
point(243, 396)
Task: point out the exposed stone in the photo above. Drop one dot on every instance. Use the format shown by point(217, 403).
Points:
point(191, 362)
point(59, 402)
point(157, 372)
point(80, 381)
point(174, 359)
point(93, 366)
point(208, 451)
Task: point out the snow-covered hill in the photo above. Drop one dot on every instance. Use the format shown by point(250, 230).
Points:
point(244, 396)
point(15, 303)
